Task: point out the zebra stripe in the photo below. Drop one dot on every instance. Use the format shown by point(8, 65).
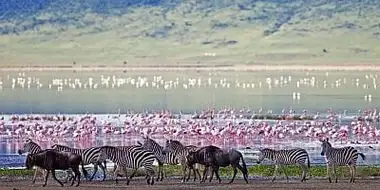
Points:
point(89, 156)
point(181, 152)
point(297, 156)
point(127, 148)
point(168, 158)
point(346, 156)
point(130, 159)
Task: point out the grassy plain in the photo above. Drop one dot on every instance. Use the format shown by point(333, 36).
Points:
point(179, 33)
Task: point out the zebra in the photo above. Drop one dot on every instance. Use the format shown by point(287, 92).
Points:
point(89, 156)
point(181, 151)
point(296, 156)
point(128, 148)
point(31, 147)
point(168, 158)
point(130, 159)
point(345, 156)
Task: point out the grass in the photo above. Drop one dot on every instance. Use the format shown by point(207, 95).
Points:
point(238, 32)
point(258, 170)
point(128, 96)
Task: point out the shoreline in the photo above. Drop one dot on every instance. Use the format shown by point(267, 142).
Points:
point(247, 68)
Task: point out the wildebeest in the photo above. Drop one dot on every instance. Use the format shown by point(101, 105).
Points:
point(32, 148)
point(214, 157)
point(52, 160)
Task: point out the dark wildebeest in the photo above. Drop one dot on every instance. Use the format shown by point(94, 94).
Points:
point(52, 160)
point(214, 157)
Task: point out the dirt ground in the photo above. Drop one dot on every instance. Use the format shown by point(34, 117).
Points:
point(138, 184)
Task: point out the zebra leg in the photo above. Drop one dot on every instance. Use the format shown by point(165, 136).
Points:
point(286, 175)
point(334, 170)
point(114, 169)
point(55, 177)
point(160, 171)
point(95, 170)
point(104, 169)
point(150, 172)
point(126, 174)
point(69, 176)
point(275, 173)
point(352, 179)
point(328, 172)
point(183, 172)
point(35, 175)
point(46, 178)
point(304, 172)
point(115, 173)
point(134, 173)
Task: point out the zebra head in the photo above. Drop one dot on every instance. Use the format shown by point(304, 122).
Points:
point(325, 146)
point(29, 146)
point(171, 146)
point(265, 153)
point(150, 144)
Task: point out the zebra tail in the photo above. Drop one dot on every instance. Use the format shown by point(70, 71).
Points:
point(362, 155)
point(308, 161)
point(85, 173)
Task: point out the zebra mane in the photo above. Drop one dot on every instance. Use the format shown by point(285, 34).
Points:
point(266, 149)
point(30, 142)
point(149, 140)
point(175, 143)
point(60, 146)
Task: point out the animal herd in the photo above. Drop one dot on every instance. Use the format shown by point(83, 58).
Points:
point(59, 157)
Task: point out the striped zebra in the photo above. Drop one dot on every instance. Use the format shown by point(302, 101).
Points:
point(31, 147)
point(127, 148)
point(89, 156)
point(346, 156)
point(130, 159)
point(181, 151)
point(297, 156)
point(169, 158)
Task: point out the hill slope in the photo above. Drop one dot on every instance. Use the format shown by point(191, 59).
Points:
point(169, 31)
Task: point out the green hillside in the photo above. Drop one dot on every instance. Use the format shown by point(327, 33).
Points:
point(110, 32)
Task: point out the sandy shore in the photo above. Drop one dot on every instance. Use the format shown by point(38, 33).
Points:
point(205, 68)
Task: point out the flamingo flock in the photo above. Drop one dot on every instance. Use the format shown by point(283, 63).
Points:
point(367, 82)
point(213, 126)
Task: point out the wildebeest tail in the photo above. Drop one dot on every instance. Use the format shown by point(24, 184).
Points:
point(362, 155)
point(243, 163)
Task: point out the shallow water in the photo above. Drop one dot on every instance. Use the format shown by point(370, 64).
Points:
point(318, 91)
